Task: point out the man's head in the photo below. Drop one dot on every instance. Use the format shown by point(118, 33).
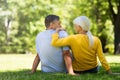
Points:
point(52, 22)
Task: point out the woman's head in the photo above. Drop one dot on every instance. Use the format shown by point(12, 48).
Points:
point(81, 23)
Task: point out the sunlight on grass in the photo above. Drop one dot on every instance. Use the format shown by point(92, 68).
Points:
point(16, 61)
point(9, 62)
point(113, 58)
point(17, 67)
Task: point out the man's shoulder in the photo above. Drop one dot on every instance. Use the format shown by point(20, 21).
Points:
point(45, 33)
point(63, 33)
point(40, 34)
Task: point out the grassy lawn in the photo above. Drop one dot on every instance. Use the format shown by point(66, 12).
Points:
point(17, 67)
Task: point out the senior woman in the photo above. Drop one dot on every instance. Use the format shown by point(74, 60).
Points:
point(85, 47)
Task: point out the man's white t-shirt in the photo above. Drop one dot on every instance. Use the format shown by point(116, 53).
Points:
point(51, 57)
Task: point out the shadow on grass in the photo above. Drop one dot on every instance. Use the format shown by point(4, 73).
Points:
point(24, 75)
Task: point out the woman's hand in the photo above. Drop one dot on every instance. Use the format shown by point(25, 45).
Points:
point(109, 71)
point(59, 29)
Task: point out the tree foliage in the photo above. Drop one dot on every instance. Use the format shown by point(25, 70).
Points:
point(26, 20)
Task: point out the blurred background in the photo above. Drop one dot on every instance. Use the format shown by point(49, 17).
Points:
point(22, 20)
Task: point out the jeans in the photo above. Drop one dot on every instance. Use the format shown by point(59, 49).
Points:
point(93, 70)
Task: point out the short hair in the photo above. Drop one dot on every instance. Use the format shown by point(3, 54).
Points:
point(49, 19)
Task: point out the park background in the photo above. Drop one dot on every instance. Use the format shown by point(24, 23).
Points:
point(22, 20)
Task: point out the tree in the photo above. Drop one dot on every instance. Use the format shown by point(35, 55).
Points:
point(27, 18)
point(115, 18)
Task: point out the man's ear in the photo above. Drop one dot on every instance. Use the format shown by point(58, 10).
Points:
point(51, 24)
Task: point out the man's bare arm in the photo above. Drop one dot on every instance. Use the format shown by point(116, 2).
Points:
point(35, 63)
point(68, 62)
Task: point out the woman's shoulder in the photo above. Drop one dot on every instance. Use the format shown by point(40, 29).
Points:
point(96, 39)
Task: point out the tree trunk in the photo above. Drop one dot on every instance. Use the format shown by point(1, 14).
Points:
point(117, 32)
point(6, 5)
point(115, 18)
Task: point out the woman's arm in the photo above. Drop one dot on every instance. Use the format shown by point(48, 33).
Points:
point(102, 58)
point(56, 41)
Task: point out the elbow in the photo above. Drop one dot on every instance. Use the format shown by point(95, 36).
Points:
point(53, 43)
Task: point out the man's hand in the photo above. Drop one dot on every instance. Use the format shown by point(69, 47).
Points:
point(68, 62)
point(73, 74)
point(35, 64)
point(29, 72)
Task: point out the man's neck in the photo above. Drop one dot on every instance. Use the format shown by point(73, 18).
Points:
point(49, 28)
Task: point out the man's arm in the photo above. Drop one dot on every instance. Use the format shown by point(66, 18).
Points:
point(67, 55)
point(68, 62)
point(35, 63)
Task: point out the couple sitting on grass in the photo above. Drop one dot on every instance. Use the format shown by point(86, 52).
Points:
point(53, 48)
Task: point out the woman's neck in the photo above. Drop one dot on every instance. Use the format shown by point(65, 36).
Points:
point(82, 32)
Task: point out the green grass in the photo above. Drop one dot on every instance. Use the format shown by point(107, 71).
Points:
point(17, 67)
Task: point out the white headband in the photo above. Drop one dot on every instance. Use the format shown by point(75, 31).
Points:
point(84, 22)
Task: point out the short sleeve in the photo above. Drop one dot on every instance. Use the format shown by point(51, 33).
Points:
point(37, 49)
point(37, 46)
point(63, 34)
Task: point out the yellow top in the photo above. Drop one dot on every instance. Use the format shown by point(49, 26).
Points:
point(85, 57)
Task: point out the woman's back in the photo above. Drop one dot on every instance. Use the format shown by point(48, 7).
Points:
point(85, 57)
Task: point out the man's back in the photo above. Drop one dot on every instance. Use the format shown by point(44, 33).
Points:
point(51, 57)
